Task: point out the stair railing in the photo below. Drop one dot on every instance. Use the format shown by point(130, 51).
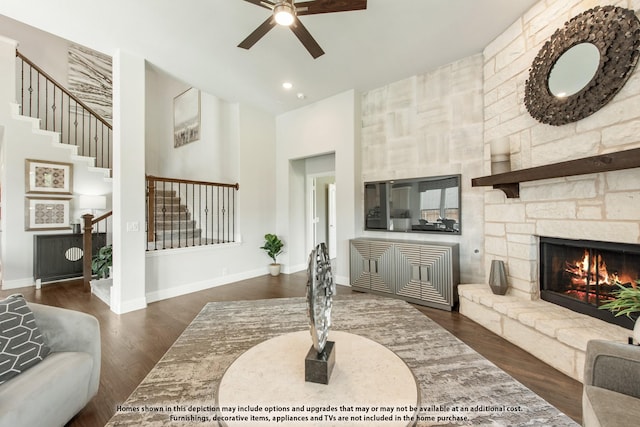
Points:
point(183, 213)
point(95, 235)
point(43, 98)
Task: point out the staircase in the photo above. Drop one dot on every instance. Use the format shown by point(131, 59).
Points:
point(62, 129)
point(183, 213)
point(58, 110)
point(173, 224)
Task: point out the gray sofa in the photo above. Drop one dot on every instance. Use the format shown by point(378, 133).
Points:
point(611, 391)
point(53, 391)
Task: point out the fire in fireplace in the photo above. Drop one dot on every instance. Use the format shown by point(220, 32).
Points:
point(581, 274)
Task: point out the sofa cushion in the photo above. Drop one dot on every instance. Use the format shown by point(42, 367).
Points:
point(49, 394)
point(21, 343)
point(606, 408)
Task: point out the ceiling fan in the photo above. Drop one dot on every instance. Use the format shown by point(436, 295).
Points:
point(286, 12)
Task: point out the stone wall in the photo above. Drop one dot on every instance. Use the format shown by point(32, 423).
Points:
point(603, 206)
point(430, 125)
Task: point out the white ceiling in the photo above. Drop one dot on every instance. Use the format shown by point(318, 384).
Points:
point(195, 41)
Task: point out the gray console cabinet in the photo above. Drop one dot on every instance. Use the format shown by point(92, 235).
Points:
point(424, 273)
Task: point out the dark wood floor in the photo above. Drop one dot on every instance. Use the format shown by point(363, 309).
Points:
point(133, 343)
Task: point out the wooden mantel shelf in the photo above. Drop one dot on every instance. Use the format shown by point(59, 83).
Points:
point(509, 182)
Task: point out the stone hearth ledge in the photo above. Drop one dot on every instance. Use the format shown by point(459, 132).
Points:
point(556, 335)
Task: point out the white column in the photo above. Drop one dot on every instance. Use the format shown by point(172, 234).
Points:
point(128, 292)
point(7, 74)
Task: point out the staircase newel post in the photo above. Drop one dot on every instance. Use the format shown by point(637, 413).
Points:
point(87, 251)
point(151, 209)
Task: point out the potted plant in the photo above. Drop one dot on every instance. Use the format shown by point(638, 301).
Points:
point(627, 302)
point(273, 246)
point(102, 261)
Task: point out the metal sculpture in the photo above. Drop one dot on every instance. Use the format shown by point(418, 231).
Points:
point(320, 290)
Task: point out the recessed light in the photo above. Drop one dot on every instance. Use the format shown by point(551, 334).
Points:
point(287, 85)
point(301, 95)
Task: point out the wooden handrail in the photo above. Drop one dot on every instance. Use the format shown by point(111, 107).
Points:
point(64, 90)
point(87, 242)
point(188, 181)
point(100, 218)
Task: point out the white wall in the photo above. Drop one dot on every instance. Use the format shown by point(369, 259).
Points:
point(178, 271)
point(44, 49)
point(328, 126)
point(237, 145)
point(211, 158)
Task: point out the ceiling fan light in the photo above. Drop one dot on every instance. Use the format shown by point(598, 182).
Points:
point(283, 13)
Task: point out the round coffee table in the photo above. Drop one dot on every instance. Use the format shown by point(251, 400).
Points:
point(265, 386)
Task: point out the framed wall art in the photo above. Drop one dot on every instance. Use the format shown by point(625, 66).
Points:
point(43, 176)
point(186, 117)
point(43, 213)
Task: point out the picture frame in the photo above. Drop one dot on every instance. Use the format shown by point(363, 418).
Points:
point(186, 117)
point(44, 213)
point(47, 177)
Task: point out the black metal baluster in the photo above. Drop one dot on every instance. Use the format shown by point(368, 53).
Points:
point(218, 212)
point(75, 125)
point(38, 93)
point(193, 215)
point(69, 121)
point(206, 212)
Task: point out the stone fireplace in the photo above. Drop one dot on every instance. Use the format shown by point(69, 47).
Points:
point(581, 274)
point(579, 201)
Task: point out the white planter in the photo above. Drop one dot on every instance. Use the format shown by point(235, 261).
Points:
point(636, 332)
point(274, 269)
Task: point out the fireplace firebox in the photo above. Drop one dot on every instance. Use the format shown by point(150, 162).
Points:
point(581, 274)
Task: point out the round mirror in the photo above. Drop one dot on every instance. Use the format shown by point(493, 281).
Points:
point(570, 78)
point(573, 71)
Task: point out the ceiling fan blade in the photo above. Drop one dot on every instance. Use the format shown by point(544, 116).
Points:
point(258, 33)
point(307, 40)
point(328, 6)
point(262, 3)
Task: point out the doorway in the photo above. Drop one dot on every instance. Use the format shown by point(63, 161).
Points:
point(321, 195)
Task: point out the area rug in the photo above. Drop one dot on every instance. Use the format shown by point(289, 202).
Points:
point(457, 385)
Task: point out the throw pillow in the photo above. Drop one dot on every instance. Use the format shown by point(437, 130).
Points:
point(21, 343)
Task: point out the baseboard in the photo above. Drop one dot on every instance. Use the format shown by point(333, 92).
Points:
point(127, 306)
point(202, 285)
point(342, 280)
point(295, 268)
point(17, 283)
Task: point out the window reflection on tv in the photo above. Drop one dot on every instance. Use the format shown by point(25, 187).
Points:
point(421, 205)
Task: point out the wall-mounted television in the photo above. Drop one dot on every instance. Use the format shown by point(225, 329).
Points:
point(416, 205)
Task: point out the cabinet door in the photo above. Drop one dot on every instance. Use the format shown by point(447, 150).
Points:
point(372, 265)
point(408, 271)
point(437, 283)
point(381, 260)
point(424, 272)
point(359, 264)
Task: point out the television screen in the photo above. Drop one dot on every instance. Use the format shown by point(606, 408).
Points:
point(428, 204)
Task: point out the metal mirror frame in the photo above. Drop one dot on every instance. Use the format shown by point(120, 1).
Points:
point(615, 31)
